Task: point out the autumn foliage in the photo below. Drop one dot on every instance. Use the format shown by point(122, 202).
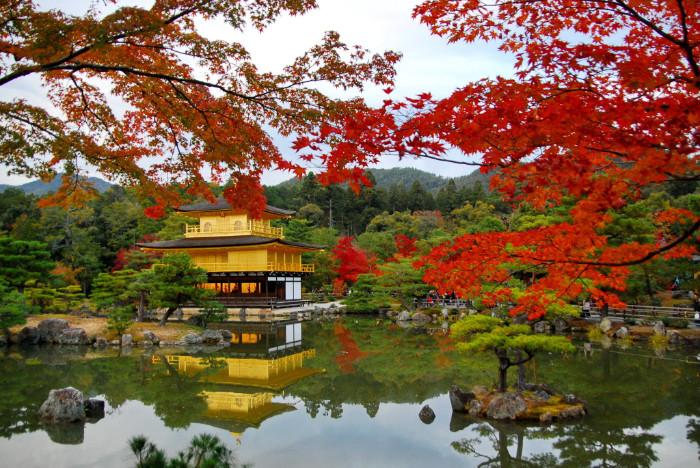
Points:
point(140, 95)
point(351, 260)
point(604, 104)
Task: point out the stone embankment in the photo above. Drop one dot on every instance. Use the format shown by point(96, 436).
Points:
point(56, 331)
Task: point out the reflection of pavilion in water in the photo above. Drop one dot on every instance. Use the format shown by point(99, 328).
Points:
point(267, 357)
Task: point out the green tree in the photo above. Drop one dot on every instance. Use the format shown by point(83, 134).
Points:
point(174, 282)
point(364, 297)
point(174, 226)
point(23, 261)
point(402, 281)
point(13, 308)
point(514, 345)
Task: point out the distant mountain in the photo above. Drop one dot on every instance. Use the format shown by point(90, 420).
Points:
point(37, 187)
point(406, 176)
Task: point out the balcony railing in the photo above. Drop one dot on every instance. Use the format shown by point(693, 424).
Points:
point(220, 267)
point(250, 228)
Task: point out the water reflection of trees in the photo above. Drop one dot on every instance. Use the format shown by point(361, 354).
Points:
point(583, 445)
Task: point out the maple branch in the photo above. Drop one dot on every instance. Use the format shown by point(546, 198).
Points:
point(77, 53)
point(683, 44)
point(437, 158)
point(650, 255)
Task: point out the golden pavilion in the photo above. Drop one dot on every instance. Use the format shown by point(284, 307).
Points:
point(249, 262)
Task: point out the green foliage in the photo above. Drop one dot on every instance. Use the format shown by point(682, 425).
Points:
point(400, 280)
point(111, 290)
point(68, 298)
point(174, 226)
point(120, 319)
point(204, 451)
point(380, 244)
point(23, 261)
point(675, 322)
point(13, 307)
point(175, 281)
point(212, 312)
point(365, 297)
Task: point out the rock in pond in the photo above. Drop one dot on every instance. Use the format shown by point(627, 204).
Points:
point(127, 340)
point(211, 336)
point(420, 317)
point(426, 414)
point(73, 336)
point(404, 316)
point(659, 328)
point(674, 337)
point(94, 409)
point(100, 342)
point(49, 329)
point(192, 339)
point(561, 325)
point(506, 406)
point(227, 335)
point(64, 405)
point(460, 400)
point(542, 326)
point(29, 336)
point(475, 408)
point(605, 325)
point(151, 337)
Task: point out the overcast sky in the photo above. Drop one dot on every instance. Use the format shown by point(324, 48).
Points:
point(428, 63)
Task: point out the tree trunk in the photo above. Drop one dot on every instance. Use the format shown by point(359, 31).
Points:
point(166, 316)
point(141, 316)
point(503, 365)
point(521, 371)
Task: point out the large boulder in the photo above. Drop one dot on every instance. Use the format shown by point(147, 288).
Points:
point(659, 328)
point(506, 406)
point(420, 317)
point(64, 405)
point(674, 337)
point(561, 325)
point(94, 409)
point(127, 340)
point(404, 316)
point(29, 336)
point(73, 336)
point(605, 325)
point(212, 336)
point(226, 335)
point(427, 415)
point(460, 400)
point(49, 329)
point(150, 338)
point(100, 342)
point(192, 339)
point(542, 326)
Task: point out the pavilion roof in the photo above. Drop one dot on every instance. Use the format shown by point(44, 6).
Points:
point(227, 241)
point(221, 204)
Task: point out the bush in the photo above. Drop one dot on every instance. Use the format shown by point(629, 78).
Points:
point(212, 312)
point(670, 322)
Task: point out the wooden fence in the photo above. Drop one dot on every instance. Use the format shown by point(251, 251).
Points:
point(647, 312)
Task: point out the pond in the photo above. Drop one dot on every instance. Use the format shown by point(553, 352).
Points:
point(347, 393)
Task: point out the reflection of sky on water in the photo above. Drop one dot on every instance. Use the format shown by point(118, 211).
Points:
point(395, 437)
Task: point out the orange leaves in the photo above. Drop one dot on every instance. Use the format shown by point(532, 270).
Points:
point(150, 101)
point(352, 261)
point(155, 211)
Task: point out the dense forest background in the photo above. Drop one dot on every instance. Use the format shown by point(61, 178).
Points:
point(401, 217)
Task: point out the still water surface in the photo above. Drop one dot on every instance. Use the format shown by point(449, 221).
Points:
point(347, 394)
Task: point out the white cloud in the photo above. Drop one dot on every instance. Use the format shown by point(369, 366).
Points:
point(428, 64)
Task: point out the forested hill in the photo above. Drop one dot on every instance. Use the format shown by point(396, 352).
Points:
point(406, 176)
point(38, 187)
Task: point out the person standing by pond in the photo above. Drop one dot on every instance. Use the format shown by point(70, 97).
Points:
point(586, 309)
